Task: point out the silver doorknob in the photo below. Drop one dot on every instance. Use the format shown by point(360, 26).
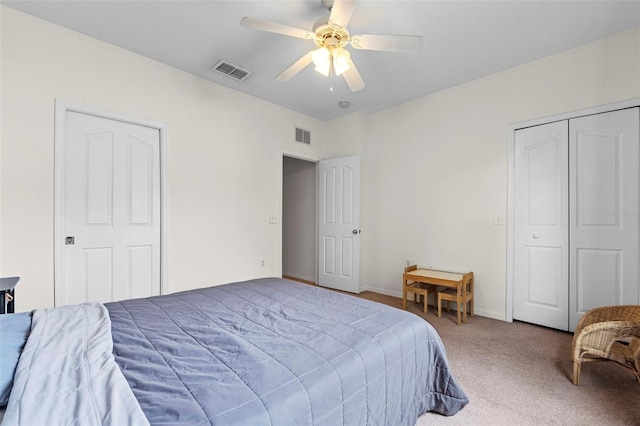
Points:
point(355, 231)
point(536, 236)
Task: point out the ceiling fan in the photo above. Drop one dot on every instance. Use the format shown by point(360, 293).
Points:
point(330, 34)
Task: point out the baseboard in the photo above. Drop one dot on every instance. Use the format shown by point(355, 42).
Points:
point(489, 314)
point(384, 291)
point(479, 312)
point(298, 278)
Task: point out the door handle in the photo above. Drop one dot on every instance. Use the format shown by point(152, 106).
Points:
point(69, 241)
point(536, 236)
point(356, 231)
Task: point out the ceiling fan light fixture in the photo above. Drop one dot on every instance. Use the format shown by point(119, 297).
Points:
point(341, 60)
point(322, 60)
point(324, 69)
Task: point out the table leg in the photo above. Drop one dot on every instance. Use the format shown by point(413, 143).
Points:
point(472, 296)
point(459, 300)
point(404, 294)
point(464, 311)
point(426, 302)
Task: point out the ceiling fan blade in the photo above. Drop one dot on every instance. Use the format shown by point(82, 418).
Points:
point(272, 27)
point(294, 69)
point(341, 12)
point(389, 43)
point(353, 78)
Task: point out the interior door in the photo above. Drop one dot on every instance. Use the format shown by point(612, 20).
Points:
point(541, 264)
point(339, 224)
point(111, 204)
point(604, 211)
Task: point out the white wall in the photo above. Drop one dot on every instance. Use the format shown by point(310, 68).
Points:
point(435, 169)
point(224, 156)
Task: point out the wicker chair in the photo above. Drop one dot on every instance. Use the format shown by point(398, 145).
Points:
point(610, 333)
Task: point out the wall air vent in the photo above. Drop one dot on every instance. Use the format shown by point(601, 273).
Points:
point(231, 70)
point(303, 136)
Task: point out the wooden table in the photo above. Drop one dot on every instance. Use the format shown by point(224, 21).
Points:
point(445, 279)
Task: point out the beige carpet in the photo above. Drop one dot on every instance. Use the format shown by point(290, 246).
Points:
point(520, 374)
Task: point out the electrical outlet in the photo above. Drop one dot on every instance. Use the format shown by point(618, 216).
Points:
point(263, 263)
point(497, 220)
point(408, 262)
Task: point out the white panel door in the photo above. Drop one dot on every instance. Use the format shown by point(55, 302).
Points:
point(541, 230)
point(604, 212)
point(111, 210)
point(339, 224)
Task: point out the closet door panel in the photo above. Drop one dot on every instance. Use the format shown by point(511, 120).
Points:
point(604, 187)
point(541, 230)
point(593, 268)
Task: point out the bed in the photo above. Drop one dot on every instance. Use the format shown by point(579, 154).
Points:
point(261, 352)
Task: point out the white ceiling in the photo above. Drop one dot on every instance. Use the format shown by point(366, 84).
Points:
point(463, 41)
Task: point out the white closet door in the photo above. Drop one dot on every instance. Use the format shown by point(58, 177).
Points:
point(604, 211)
point(111, 211)
point(541, 225)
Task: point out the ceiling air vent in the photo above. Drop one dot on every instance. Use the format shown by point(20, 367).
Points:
point(231, 70)
point(303, 136)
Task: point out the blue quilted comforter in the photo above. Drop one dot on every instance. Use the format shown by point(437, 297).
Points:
point(275, 352)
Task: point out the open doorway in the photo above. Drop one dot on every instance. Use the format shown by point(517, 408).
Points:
point(299, 229)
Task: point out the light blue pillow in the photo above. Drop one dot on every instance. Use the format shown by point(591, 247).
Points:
point(14, 331)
